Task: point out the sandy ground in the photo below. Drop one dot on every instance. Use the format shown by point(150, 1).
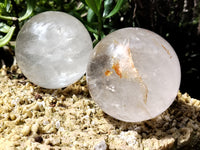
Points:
point(35, 118)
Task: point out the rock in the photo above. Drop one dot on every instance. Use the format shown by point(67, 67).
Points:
point(83, 125)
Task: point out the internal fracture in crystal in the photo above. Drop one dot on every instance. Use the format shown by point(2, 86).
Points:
point(133, 74)
point(52, 49)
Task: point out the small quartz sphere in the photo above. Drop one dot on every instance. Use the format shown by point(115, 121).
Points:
point(52, 49)
point(133, 74)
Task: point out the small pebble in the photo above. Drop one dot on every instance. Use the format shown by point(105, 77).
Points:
point(101, 146)
point(26, 130)
point(38, 139)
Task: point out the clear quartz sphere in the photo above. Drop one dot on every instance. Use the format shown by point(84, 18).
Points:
point(133, 74)
point(52, 49)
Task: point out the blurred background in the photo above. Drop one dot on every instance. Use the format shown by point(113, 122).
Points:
point(178, 21)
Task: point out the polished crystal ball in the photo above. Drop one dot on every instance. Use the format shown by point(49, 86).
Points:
point(52, 49)
point(133, 74)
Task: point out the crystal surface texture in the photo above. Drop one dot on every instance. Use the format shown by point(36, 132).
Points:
point(52, 49)
point(133, 74)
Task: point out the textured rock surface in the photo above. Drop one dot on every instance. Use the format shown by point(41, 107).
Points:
point(52, 49)
point(36, 118)
point(133, 74)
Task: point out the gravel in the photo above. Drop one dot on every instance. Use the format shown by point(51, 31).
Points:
point(35, 118)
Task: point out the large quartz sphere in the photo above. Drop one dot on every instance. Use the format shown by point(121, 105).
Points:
point(52, 49)
point(133, 74)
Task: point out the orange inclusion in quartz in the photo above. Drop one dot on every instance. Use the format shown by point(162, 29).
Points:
point(108, 72)
point(166, 50)
point(130, 58)
point(116, 67)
